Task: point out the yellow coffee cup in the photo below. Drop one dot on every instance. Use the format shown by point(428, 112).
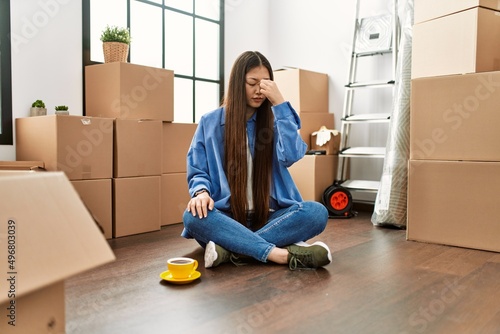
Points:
point(182, 267)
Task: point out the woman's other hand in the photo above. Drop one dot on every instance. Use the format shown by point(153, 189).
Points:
point(200, 205)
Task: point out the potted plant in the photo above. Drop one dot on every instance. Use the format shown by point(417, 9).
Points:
point(62, 110)
point(115, 44)
point(38, 108)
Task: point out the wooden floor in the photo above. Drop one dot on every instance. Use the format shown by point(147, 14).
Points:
point(377, 283)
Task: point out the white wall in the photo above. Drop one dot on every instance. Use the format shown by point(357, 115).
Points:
point(314, 35)
point(247, 28)
point(46, 57)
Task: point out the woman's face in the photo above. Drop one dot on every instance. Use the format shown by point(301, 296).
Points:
point(253, 78)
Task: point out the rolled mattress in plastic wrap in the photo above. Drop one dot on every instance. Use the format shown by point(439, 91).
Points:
point(390, 205)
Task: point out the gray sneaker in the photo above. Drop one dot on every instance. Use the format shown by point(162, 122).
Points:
point(215, 255)
point(305, 256)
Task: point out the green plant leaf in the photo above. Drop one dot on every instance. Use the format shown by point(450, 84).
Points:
point(116, 34)
point(38, 104)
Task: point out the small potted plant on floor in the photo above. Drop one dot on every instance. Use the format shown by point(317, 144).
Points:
point(115, 44)
point(62, 110)
point(38, 108)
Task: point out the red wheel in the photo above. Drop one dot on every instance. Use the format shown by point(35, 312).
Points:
point(338, 201)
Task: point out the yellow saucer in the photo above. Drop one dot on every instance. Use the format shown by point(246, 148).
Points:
point(167, 276)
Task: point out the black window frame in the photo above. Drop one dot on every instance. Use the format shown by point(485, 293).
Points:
point(86, 54)
point(6, 134)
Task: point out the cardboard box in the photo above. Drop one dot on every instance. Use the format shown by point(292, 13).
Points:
point(47, 236)
point(82, 147)
point(22, 165)
point(136, 206)
point(455, 117)
point(311, 122)
point(313, 174)
point(454, 203)
point(42, 311)
point(430, 9)
point(129, 91)
point(330, 147)
point(174, 197)
point(177, 138)
point(137, 148)
point(98, 198)
point(465, 42)
point(307, 91)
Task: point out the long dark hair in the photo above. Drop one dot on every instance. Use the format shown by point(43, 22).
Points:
point(235, 143)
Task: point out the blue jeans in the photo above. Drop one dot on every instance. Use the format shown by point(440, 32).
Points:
point(299, 222)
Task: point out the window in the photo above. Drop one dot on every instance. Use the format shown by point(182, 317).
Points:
point(186, 36)
point(6, 137)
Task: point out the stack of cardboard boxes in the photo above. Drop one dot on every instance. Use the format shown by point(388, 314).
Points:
point(121, 157)
point(454, 167)
point(307, 92)
point(82, 147)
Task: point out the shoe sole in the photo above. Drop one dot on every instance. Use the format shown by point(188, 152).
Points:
point(210, 254)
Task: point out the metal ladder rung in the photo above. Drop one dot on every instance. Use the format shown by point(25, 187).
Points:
point(371, 53)
point(363, 152)
point(364, 118)
point(363, 185)
point(372, 84)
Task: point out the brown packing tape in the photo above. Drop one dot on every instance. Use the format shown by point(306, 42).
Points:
point(86, 172)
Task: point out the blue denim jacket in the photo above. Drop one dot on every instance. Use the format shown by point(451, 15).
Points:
point(205, 159)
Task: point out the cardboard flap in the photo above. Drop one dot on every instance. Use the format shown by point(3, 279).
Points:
point(285, 68)
point(22, 165)
point(46, 233)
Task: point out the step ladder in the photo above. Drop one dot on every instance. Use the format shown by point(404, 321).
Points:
point(376, 36)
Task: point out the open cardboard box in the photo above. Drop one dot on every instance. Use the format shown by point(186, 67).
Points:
point(46, 236)
point(312, 121)
point(332, 144)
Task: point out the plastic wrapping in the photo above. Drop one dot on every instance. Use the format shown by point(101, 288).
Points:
point(391, 202)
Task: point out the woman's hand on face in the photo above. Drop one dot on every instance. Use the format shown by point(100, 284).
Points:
point(200, 205)
point(270, 90)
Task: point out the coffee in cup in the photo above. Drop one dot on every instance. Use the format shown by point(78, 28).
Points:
point(182, 267)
